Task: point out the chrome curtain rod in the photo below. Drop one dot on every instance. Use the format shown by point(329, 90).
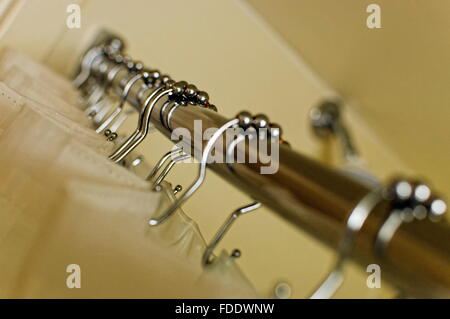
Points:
point(319, 200)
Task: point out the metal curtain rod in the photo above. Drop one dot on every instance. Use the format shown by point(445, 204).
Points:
point(319, 200)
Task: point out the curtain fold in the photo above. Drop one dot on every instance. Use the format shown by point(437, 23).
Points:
point(63, 202)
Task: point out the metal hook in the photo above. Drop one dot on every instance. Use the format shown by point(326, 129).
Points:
point(96, 99)
point(200, 178)
point(102, 109)
point(162, 161)
point(177, 189)
point(137, 161)
point(355, 222)
point(116, 125)
point(86, 65)
point(163, 110)
point(132, 137)
point(167, 169)
point(326, 120)
point(143, 125)
point(170, 87)
point(233, 144)
point(404, 195)
point(123, 98)
point(171, 106)
point(172, 110)
point(411, 201)
point(206, 259)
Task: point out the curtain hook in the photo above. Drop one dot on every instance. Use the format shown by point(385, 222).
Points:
point(87, 62)
point(326, 120)
point(408, 201)
point(167, 169)
point(246, 121)
point(144, 119)
point(161, 162)
point(411, 200)
point(355, 222)
point(200, 178)
point(206, 259)
point(96, 99)
point(135, 68)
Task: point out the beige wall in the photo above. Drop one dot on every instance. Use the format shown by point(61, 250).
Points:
point(225, 48)
point(397, 76)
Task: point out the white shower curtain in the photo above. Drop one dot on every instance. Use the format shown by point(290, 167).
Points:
point(63, 202)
